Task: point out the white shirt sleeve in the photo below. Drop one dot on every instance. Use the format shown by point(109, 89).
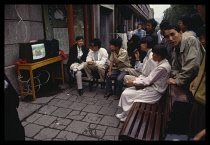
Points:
point(89, 56)
point(153, 77)
point(102, 57)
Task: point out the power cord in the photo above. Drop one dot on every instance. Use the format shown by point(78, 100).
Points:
point(28, 83)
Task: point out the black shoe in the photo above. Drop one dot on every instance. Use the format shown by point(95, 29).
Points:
point(103, 84)
point(106, 95)
point(91, 83)
point(80, 91)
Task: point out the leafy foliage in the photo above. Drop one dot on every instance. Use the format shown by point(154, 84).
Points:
point(172, 13)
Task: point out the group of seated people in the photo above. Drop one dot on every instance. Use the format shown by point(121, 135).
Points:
point(146, 81)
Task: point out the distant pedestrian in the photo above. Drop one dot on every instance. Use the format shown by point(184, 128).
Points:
point(140, 31)
point(150, 30)
point(129, 34)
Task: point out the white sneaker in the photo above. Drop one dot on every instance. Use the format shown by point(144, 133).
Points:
point(121, 115)
point(123, 119)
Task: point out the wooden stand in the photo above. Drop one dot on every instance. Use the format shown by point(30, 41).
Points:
point(33, 66)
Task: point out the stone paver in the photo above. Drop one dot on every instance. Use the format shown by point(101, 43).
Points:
point(107, 111)
point(89, 100)
point(93, 118)
point(112, 131)
point(76, 98)
point(53, 101)
point(65, 135)
point(63, 96)
point(48, 109)
point(81, 137)
point(61, 112)
point(92, 108)
point(68, 116)
point(33, 117)
point(109, 121)
point(102, 102)
point(43, 100)
point(63, 103)
point(77, 127)
point(47, 134)
point(60, 123)
point(76, 115)
point(89, 94)
point(26, 109)
point(77, 106)
point(32, 129)
point(45, 120)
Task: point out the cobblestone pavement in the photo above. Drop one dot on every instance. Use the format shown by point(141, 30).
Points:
point(68, 116)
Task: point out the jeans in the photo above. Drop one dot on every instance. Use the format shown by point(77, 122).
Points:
point(120, 77)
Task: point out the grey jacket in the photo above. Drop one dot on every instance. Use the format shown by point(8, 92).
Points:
point(185, 68)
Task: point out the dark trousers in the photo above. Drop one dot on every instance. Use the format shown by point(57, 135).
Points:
point(119, 77)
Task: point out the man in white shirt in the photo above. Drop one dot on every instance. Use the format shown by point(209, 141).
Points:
point(146, 44)
point(97, 60)
point(147, 89)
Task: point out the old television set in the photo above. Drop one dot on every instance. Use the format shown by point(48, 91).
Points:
point(39, 50)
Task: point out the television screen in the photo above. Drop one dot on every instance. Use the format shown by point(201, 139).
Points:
point(38, 51)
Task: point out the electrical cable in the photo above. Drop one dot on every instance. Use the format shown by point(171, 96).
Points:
point(28, 86)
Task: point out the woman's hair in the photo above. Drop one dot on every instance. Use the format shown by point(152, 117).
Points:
point(187, 21)
point(160, 50)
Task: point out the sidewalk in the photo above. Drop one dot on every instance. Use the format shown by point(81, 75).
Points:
point(68, 116)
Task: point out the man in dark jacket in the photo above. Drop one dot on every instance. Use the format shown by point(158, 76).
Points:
point(13, 129)
point(150, 30)
point(77, 56)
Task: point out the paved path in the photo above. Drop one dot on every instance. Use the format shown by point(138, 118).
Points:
point(68, 116)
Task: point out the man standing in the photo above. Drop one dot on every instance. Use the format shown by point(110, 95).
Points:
point(97, 60)
point(150, 27)
point(77, 57)
point(139, 31)
point(119, 63)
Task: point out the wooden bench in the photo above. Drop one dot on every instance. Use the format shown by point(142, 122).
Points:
point(150, 121)
point(146, 121)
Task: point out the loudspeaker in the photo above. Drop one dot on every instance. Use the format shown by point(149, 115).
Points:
point(52, 48)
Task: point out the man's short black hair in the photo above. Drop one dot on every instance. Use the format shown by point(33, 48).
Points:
point(164, 23)
point(201, 31)
point(148, 40)
point(135, 38)
point(79, 37)
point(97, 42)
point(140, 23)
point(116, 42)
point(160, 50)
point(172, 26)
point(153, 22)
